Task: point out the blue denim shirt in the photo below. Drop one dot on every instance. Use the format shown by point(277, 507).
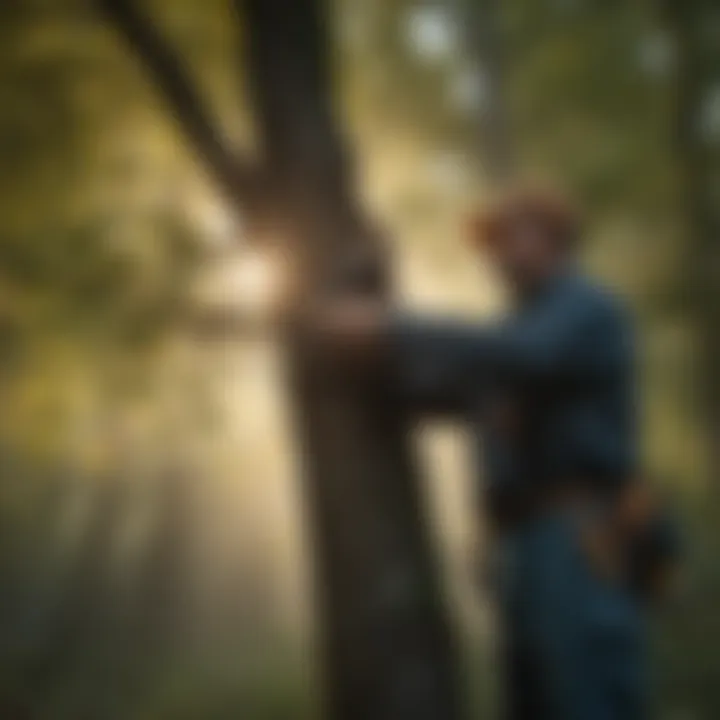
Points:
point(550, 388)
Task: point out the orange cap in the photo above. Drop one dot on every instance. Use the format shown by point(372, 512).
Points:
point(549, 209)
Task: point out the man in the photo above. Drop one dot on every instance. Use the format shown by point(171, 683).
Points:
point(550, 392)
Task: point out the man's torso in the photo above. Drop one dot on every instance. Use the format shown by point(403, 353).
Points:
point(576, 424)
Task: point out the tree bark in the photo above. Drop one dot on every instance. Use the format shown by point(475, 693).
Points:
point(482, 33)
point(386, 644)
point(698, 74)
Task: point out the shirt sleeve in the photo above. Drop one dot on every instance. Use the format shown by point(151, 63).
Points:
point(442, 364)
point(438, 364)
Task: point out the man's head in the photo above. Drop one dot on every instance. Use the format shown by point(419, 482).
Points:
point(530, 233)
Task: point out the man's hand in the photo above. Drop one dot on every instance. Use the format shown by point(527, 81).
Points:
point(352, 331)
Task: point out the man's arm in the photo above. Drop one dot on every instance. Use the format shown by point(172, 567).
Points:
point(439, 365)
point(432, 362)
point(573, 338)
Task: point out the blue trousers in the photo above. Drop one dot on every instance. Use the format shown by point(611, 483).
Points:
point(573, 640)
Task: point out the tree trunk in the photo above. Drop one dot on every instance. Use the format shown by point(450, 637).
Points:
point(386, 643)
point(691, 23)
point(482, 25)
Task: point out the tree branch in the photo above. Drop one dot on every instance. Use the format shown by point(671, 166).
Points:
point(239, 181)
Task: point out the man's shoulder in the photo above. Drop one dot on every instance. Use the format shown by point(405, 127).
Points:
point(593, 300)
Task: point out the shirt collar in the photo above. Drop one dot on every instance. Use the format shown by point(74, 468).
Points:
point(557, 281)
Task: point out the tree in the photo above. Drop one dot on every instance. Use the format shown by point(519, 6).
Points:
point(694, 27)
point(387, 645)
point(485, 45)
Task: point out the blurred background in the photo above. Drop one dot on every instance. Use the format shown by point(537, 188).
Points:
point(154, 556)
